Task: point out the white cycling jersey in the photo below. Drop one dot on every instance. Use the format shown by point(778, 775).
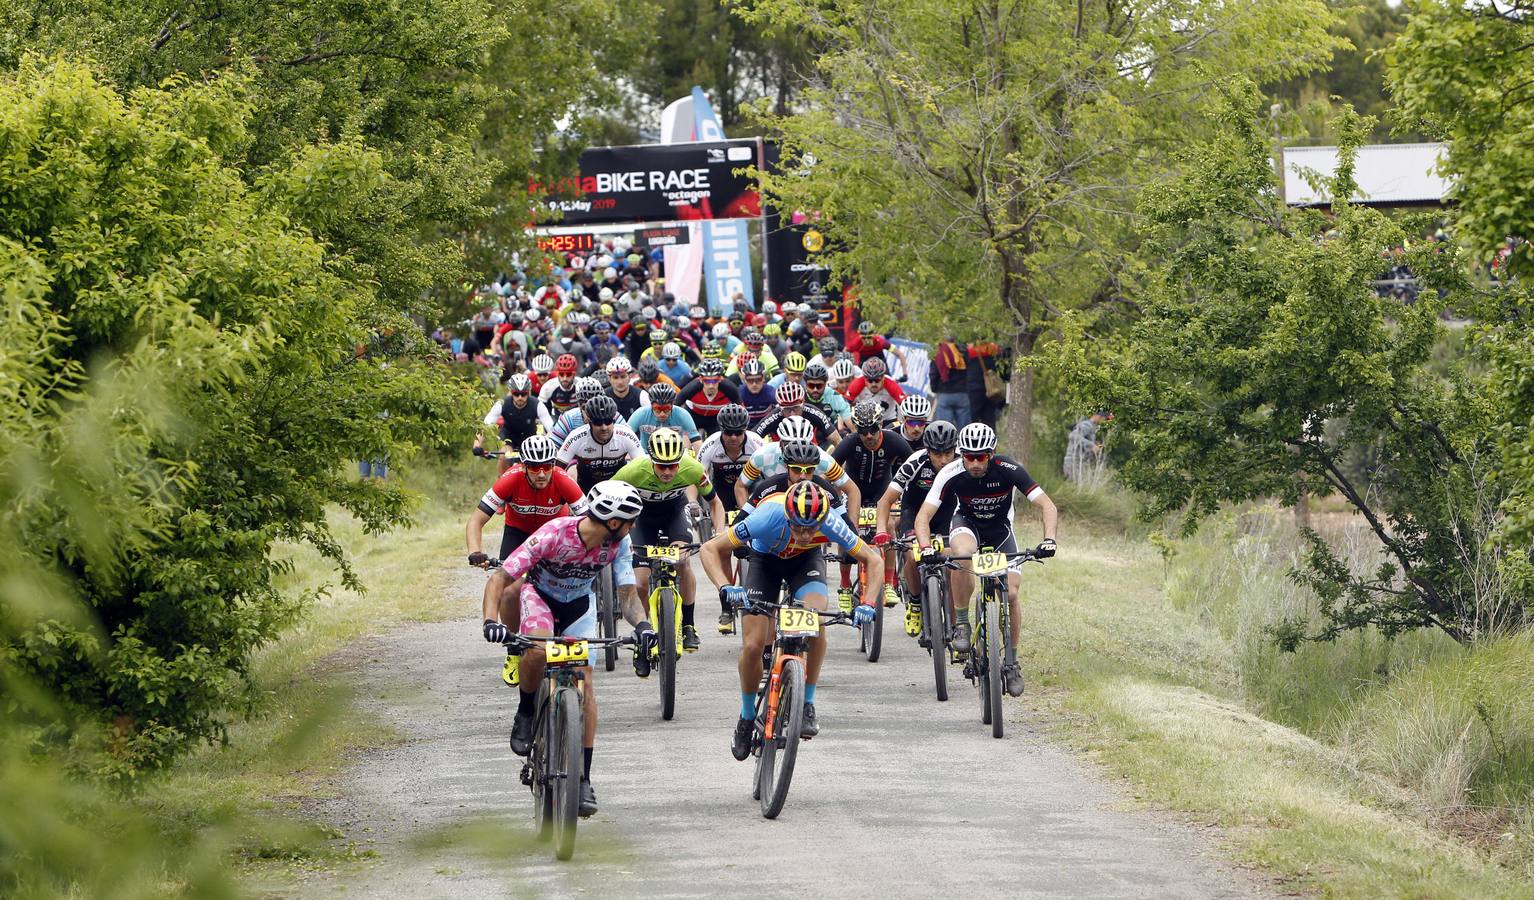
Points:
point(598, 461)
point(712, 454)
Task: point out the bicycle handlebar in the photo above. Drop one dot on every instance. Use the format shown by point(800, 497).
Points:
point(526, 641)
point(828, 617)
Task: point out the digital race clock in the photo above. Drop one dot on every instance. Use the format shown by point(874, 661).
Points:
point(568, 243)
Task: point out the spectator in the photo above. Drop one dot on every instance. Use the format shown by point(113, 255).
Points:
point(987, 390)
point(950, 382)
point(1083, 450)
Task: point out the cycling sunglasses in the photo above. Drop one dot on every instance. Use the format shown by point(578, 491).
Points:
point(521, 393)
point(813, 386)
point(916, 423)
point(976, 457)
point(803, 470)
point(661, 407)
point(538, 468)
point(728, 433)
point(659, 466)
point(869, 429)
point(598, 422)
point(711, 379)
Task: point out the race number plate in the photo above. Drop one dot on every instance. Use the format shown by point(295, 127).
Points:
point(937, 543)
point(558, 654)
point(868, 516)
point(798, 622)
point(670, 553)
point(989, 563)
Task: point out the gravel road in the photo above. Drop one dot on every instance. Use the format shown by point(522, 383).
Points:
point(899, 793)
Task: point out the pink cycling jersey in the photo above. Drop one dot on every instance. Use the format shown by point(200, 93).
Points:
point(561, 569)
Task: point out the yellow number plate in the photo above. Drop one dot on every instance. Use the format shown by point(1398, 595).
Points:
point(989, 563)
point(671, 553)
point(566, 654)
point(798, 621)
point(868, 515)
point(937, 543)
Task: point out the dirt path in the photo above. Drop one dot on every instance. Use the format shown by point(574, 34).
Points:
point(951, 808)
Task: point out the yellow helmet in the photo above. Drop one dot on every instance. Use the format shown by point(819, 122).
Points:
point(667, 446)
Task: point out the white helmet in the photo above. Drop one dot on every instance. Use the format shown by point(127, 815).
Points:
point(605, 294)
point(720, 330)
point(539, 449)
point(586, 387)
point(843, 370)
point(977, 437)
point(796, 428)
point(671, 351)
point(619, 365)
point(519, 382)
point(534, 314)
point(916, 406)
point(770, 307)
point(609, 272)
point(614, 500)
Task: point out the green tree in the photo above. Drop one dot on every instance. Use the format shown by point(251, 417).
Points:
point(1355, 75)
point(977, 164)
point(181, 391)
point(1264, 358)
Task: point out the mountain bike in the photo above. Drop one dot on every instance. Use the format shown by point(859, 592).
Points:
point(553, 767)
point(665, 605)
point(780, 701)
point(871, 633)
point(934, 608)
point(984, 664)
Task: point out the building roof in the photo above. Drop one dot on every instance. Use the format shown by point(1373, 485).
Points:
point(1388, 174)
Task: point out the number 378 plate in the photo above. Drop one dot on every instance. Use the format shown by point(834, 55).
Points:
point(798, 621)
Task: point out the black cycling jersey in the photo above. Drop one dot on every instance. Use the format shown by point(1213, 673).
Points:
point(629, 403)
point(985, 502)
point(779, 482)
point(871, 470)
point(913, 480)
point(768, 426)
point(517, 425)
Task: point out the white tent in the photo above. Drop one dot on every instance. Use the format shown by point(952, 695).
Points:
point(1388, 174)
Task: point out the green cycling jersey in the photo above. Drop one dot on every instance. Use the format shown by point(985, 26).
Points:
point(641, 474)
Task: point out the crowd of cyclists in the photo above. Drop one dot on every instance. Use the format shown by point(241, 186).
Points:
point(627, 421)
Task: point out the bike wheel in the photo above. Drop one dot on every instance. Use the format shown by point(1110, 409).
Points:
point(777, 773)
point(935, 620)
point(607, 616)
point(995, 641)
point(565, 768)
point(873, 633)
point(666, 634)
point(539, 759)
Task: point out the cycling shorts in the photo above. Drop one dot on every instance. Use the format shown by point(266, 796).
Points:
point(660, 523)
point(767, 576)
point(942, 523)
point(994, 537)
point(512, 538)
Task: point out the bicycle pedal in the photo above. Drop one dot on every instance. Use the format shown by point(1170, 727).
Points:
point(527, 774)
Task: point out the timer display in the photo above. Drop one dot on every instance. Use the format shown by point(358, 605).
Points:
point(568, 243)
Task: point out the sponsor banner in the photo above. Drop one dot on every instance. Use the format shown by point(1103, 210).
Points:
point(662, 237)
point(684, 267)
point(727, 265)
point(916, 371)
point(705, 122)
point(795, 271)
point(658, 182)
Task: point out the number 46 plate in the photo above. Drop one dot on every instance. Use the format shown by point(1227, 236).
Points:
point(798, 622)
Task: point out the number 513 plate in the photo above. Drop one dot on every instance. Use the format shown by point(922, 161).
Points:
point(989, 563)
point(559, 654)
point(798, 621)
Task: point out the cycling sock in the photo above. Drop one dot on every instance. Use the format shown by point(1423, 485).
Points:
point(809, 693)
point(1011, 654)
point(586, 761)
point(524, 703)
point(747, 705)
point(686, 614)
point(961, 616)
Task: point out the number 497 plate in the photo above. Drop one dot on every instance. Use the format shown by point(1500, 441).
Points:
point(989, 563)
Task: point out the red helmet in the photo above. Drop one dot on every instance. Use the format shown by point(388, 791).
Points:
point(820, 331)
point(566, 364)
point(758, 320)
point(790, 393)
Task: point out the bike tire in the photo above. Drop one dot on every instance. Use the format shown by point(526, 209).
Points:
point(667, 628)
point(779, 772)
point(874, 640)
point(935, 620)
point(567, 780)
point(543, 796)
point(995, 641)
point(607, 616)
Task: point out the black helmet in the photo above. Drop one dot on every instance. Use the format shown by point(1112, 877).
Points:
point(662, 394)
point(649, 369)
point(940, 436)
point(816, 372)
point(733, 417)
point(600, 410)
point(801, 453)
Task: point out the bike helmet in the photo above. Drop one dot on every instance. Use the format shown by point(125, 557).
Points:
point(874, 368)
point(752, 367)
point(662, 394)
point(820, 332)
point(715, 350)
point(865, 327)
point(733, 417)
point(790, 393)
point(566, 364)
point(794, 362)
point(600, 410)
point(619, 365)
point(977, 437)
point(515, 317)
point(601, 325)
point(865, 415)
point(806, 503)
point(659, 337)
point(770, 307)
point(843, 370)
point(667, 446)
point(772, 329)
point(720, 330)
point(801, 453)
point(828, 345)
point(753, 339)
point(671, 351)
point(710, 368)
point(614, 500)
point(534, 314)
point(649, 370)
point(816, 372)
point(543, 364)
point(519, 382)
point(916, 406)
point(586, 388)
point(940, 436)
point(539, 450)
point(796, 428)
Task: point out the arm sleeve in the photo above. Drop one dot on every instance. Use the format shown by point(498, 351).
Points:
point(686, 393)
point(940, 486)
point(705, 487)
point(492, 418)
point(1025, 483)
point(730, 390)
point(894, 389)
point(499, 493)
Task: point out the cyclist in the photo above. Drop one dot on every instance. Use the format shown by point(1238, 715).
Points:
point(558, 395)
point(868, 345)
point(666, 480)
point(542, 368)
point(662, 413)
point(707, 394)
point(790, 405)
point(755, 394)
point(599, 448)
point(981, 484)
point(722, 456)
point(793, 369)
point(586, 387)
point(648, 375)
point(817, 394)
point(785, 536)
point(875, 386)
point(629, 398)
point(515, 418)
point(915, 413)
point(768, 462)
point(842, 373)
point(870, 457)
point(673, 365)
point(560, 562)
point(910, 486)
point(529, 494)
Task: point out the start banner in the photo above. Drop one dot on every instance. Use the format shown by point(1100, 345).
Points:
point(658, 182)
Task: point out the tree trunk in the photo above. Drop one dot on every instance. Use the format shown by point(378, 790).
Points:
point(1016, 419)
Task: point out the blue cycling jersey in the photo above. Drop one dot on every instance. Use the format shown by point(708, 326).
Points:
point(767, 531)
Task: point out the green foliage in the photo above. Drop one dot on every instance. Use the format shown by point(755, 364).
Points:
point(1259, 331)
point(181, 391)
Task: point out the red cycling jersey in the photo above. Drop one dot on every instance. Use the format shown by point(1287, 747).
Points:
point(527, 508)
